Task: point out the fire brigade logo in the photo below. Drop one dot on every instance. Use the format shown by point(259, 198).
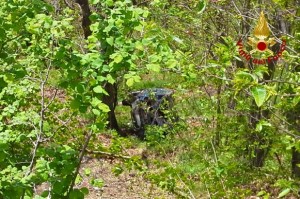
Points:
point(260, 43)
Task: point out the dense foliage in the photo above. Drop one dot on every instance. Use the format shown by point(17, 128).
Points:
point(65, 64)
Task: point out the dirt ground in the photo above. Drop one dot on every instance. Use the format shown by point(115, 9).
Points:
point(128, 185)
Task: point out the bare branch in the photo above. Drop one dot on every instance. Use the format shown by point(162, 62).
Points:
point(81, 155)
point(280, 81)
point(69, 5)
point(107, 154)
point(52, 99)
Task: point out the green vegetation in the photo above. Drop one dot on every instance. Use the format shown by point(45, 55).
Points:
point(66, 65)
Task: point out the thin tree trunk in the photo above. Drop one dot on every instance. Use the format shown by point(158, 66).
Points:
point(111, 89)
point(111, 100)
point(261, 150)
point(262, 147)
point(219, 111)
point(293, 116)
point(295, 162)
point(86, 12)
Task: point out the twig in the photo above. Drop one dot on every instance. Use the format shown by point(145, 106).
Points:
point(11, 39)
point(237, 9)
point(52, 99)
point(69, 5)
point(81, 155)
point(41, 126)
point(215, 154)
point(42, 113)
point(32, 78)
point(284, 121)
point(278, 160)
point(281, 81)
point(102, 153)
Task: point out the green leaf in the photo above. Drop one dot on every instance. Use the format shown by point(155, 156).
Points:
point(117, 57)
point(2, 156)
point(40, 197)
point(80, 88)
point(154, 58)
point(261, 124)
point(2, 33)
point(110, 79)
point(99, 89)
point(237, 58)
point(103, 107)
point(171, 63)
point(75, 103)
point(84, 190)
point(93, 2)
point(76, 194)
point(259, 71)
point(96, 112)
point(284, 193)
point(117, 170)
point(139, 45)
point(95, 101)
point(109, 2)
point(153, 67)
point(177, 39)
point(260, 94)
point(87, 171)
point(2, 84)
point(201, 6)
point(129, 82)
point(261, 193)
point(139, 28)
point(110, 41)
point(78, 179)
point(131, 78)
point(242, 75)
point(97, 182)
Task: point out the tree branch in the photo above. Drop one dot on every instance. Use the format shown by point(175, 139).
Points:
point(82, 152)
point(107, 154)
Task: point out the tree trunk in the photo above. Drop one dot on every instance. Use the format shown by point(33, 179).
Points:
point(111, 100)
point(86, 12)
point(293, 117)
point(111, 89)
point(295, 162)
point(218, 122)
point(260, 150)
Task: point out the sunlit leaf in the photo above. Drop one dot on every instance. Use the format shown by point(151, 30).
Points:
point(97, 182)
point(110, 40)
point(284, 193)
point(117, 57)
point(153, 67)
point(99, 89)
point(103, 107)
point(260, 95)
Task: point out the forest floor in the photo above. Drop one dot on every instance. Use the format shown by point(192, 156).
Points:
point(127, 185)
